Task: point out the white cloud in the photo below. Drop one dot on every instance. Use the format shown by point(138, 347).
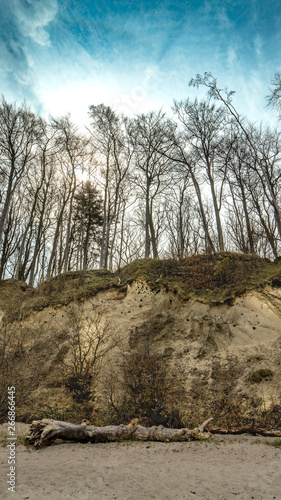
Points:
point(33, 17)
point(258, 44)
point(231, 56)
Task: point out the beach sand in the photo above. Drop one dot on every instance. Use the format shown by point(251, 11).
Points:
point(224, 468)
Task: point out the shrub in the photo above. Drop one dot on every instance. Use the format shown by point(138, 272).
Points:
point(259, 375)
point(147, 389)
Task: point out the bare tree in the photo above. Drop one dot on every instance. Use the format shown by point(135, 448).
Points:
point(274, 98)
point(19, 134)
point(175, 147)
point(151, 170)
point(203, 127)
point(74, 148)
point(114, 153)
point(264, 146)
point(90, 339)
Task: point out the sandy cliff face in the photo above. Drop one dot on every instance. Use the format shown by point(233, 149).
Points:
point(227, 354)
point(215, 345)
point(219, 350)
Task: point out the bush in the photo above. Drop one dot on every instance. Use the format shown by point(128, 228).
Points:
point(147, 390)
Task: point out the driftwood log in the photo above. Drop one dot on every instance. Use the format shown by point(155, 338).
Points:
point(46, 431)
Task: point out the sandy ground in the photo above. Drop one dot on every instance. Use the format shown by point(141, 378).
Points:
point(225, 468)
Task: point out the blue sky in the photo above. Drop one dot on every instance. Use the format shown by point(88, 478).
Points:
point(64, 55)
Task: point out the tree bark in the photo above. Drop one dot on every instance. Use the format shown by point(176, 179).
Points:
point(46, 431)
point(7, 202)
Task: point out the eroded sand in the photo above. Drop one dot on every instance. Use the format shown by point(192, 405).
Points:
point(226, 468)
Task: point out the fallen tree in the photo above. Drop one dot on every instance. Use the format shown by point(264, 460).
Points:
point(46, 431)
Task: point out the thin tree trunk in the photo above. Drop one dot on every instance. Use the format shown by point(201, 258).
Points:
point(104, 228)
point(116, 217)
point(152, 234)
point(6, 203)
point(247, 218)
point(38, 239)
point(180, 251)
point(202, 212)
point(56, 239)
point(217, 213)
point(147, 235)
point(121, 238)
point(67, 242)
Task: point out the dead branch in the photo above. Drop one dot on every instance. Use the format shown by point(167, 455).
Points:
point(46, 431)
point(201, 428)
point(255, 431)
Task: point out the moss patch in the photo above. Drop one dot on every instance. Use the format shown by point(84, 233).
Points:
point(276, 442)
point(259, 375)
point(13, 293)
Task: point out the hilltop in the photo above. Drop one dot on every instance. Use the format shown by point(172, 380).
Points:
point(208, 278)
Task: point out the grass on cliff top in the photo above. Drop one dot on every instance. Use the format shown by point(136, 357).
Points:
point(13, 292)
point(69, 287)
point(208, 278)
point(76, 285)
point(54, 292)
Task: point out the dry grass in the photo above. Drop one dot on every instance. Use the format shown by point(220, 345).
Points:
point(208, 278)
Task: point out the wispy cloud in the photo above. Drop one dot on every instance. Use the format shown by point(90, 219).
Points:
point(63, 55)
point(23, 28)
point(33, 18)
point(258, 44)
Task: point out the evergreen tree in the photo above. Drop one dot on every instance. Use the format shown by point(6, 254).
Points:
point(88, 220)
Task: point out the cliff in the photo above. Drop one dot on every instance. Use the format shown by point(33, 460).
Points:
point(211, 325)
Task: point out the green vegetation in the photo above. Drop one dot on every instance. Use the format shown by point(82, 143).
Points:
point(148, 390)
point(276, 442)
point(209, 278)
point(13, 292)
point(259, 375)
point(55, 292)
point(75, 286)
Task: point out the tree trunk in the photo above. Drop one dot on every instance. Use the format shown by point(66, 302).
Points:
point(247, 218)
point(56, 238)
point(44, 432)
point(121, 237)
point(152, 234)
point(147, 235)
point(67, 242)
point(217, 212)
point(209, 241)
point(105, 215)
point(38, 241)
point(7, 202)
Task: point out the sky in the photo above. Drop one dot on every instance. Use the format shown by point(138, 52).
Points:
point(62, 56)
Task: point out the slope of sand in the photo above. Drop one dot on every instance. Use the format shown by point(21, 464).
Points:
point(225, 468)
point(215, 349)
